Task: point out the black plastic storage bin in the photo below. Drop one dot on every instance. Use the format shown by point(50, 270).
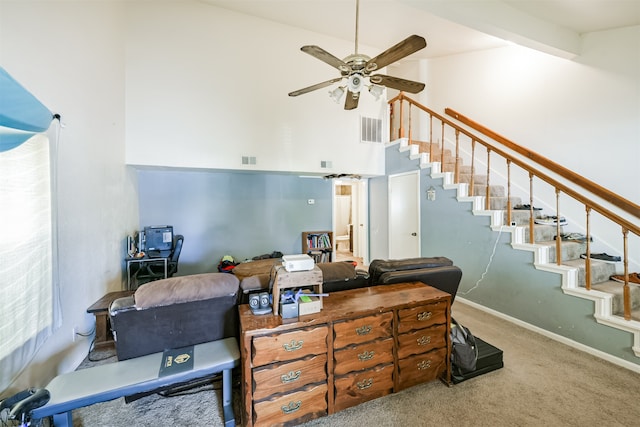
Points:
point(489, 359)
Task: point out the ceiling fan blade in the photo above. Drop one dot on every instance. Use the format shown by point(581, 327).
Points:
point(351, 102)
point(314, 87)
point(324, 56)
point(405, 48)
point(397, 83)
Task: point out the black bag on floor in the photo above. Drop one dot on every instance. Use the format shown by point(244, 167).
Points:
point(464, 351)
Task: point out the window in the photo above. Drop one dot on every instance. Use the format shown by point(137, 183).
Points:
point(26, 254)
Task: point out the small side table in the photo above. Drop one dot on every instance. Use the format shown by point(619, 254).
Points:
point(100, 309)
point(294, 279)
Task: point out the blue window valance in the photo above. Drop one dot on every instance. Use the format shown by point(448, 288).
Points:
point(21, 114)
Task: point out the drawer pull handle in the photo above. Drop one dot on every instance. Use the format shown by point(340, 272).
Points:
point(425, 315)
point(367, 355)
point(290, 377)
point(291, 407)
point(424, 340)
point(293, 345)
point(424, 364)
point(362, 385)
point(363, 330)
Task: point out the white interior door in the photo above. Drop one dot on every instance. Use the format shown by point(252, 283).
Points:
point(404, 215)
point(361, 220)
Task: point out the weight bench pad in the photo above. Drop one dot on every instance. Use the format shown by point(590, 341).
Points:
point(138, 375)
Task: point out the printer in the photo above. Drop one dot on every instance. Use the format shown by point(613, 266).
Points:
point(300, 262)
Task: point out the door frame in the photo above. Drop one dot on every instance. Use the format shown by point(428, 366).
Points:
point(359, 214)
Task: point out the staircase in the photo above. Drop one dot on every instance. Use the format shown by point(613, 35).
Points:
point(605, 293)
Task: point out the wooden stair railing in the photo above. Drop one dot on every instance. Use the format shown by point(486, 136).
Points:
point(532, 160)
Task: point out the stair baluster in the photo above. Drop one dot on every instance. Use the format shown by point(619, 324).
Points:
point(410, 129)
point(509, 192)
point(626, 292)
point(558, 233)
point(532, 238)
point(456, 177)
point(442, 148)
point(473, 167)
point(587, 261)
point(487, 189)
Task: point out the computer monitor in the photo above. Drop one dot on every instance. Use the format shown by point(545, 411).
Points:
point(158, 240)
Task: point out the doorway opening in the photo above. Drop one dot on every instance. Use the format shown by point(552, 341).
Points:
point(350, 204)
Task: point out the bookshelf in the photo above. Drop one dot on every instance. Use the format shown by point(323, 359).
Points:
point(318, 245)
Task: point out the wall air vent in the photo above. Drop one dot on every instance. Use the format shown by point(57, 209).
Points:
point(370, 130)
point(248, 160)
point(326, 164)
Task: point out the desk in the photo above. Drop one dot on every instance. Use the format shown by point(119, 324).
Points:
point(100, 310)
point(141, 261)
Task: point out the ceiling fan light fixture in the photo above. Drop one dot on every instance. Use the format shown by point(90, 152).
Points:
point(355, 83)
point(337, 93)
point(376, 91)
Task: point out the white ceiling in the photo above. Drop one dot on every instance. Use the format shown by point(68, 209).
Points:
point(449, 26)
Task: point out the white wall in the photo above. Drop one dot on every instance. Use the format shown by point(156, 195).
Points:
point(583, 114)
point(70, 54)
point(206, 86)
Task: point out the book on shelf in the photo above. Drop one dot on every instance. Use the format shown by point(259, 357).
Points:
point(318, 241)
point(320, 256)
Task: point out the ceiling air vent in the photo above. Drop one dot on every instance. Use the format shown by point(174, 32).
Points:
point(248, 160)
point(370, 129)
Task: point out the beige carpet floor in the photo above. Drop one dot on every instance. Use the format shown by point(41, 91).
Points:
point(543, 383)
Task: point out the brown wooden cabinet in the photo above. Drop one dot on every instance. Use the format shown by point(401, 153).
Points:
point(364, 344)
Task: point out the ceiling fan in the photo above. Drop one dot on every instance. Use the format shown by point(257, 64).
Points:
point(356, 69)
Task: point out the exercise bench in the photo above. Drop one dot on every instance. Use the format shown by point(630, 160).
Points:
point(138, 375)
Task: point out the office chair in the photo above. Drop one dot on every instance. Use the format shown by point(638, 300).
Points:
point(154, 270)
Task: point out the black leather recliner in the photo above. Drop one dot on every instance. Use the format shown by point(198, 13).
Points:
point(438, 272)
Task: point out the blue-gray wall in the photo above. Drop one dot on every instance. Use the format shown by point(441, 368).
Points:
point(237, 214)
point(511, 284)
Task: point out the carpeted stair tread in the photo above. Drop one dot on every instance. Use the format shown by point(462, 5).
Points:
point(477, 179)
point(600, 271)
point(494, 190)
point(498, 203)
point(570, 250)
point(617, 290)
point(541, 233)
point(520, 217)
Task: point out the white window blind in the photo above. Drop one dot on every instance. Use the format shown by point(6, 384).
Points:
point(26, 254)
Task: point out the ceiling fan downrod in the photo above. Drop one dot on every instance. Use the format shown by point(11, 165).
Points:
point(357, 19)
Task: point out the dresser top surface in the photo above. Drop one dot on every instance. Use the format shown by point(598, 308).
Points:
point(344, 305)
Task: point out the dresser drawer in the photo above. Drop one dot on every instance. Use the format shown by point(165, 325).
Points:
point(289, 345)
point(285, 377)
point(362, 329)
point(299, 406)
point(423, 316)
point(363, 356)
point(421, 368)
point(421, 341)
point(353, 389)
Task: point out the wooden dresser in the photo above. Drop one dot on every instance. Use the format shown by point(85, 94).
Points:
point(364, 344)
